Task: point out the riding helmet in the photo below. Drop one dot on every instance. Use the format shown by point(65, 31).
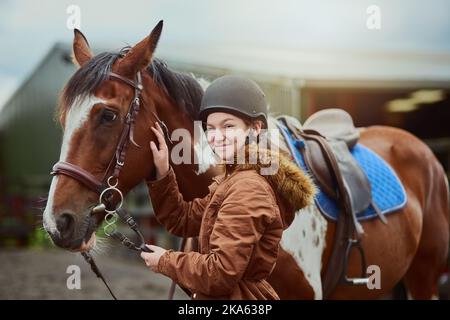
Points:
point(236, 95)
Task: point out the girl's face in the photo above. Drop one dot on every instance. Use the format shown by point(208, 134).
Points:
point(226, 133)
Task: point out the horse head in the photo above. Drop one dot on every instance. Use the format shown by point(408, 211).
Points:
point(106, 111)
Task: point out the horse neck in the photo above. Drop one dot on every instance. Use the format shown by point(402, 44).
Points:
point(191, 184)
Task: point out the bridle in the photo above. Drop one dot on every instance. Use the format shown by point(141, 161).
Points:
point(112, 173)
point(107, 187)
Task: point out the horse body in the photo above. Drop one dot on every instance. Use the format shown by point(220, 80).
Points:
point(411, 248)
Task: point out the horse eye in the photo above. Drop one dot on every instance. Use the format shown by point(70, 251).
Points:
point(108, 116)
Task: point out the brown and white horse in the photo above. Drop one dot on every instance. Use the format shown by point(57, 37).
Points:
point(412, 248)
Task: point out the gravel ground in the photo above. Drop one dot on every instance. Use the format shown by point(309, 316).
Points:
point(41, 274)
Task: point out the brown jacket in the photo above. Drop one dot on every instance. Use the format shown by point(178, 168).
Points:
point(239, 225)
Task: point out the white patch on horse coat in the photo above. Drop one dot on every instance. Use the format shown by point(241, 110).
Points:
point(75, 118)
point(201, 81)
point(204, 154)
point(306, 244)
point(205, 157)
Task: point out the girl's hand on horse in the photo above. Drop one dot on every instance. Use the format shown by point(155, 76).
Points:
point(161, 155)
point(152, 259)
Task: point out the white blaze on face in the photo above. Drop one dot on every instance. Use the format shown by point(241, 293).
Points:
point(75, 119)
point(305, 241)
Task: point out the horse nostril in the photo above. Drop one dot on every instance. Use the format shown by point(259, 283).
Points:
point(65, 223)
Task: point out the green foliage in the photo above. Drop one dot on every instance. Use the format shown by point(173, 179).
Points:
point(39, 239)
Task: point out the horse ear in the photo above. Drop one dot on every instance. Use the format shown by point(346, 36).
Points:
point(81, 51)
point(140, 56)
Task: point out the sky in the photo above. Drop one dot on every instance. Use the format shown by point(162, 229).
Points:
point(28, 29)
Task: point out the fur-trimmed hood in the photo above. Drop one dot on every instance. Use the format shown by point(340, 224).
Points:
point(293, 187)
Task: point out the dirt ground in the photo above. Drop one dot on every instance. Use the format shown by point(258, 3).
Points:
point(41, 274)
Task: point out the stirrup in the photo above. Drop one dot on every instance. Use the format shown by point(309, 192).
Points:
point(363, 280)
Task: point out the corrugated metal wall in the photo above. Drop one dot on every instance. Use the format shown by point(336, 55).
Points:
point(30, 136)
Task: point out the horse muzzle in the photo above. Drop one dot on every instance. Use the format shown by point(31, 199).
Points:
point(72, 234)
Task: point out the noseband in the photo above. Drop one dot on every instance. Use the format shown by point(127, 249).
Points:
point(108, 185)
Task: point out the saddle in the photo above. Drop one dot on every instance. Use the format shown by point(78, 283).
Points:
point(328, 137)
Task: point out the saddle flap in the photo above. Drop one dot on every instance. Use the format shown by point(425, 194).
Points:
point(356, 181)
point(319, 167)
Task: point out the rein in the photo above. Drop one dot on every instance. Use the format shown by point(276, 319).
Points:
point(107, 187)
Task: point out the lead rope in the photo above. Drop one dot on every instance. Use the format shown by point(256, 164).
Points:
point(89, 259)
point(110, 230)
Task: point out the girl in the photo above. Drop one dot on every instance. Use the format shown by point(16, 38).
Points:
point(240, 222)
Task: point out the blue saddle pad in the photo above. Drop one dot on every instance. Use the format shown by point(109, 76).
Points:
point(388, 192)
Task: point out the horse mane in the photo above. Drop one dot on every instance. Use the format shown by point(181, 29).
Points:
point(182, 88)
